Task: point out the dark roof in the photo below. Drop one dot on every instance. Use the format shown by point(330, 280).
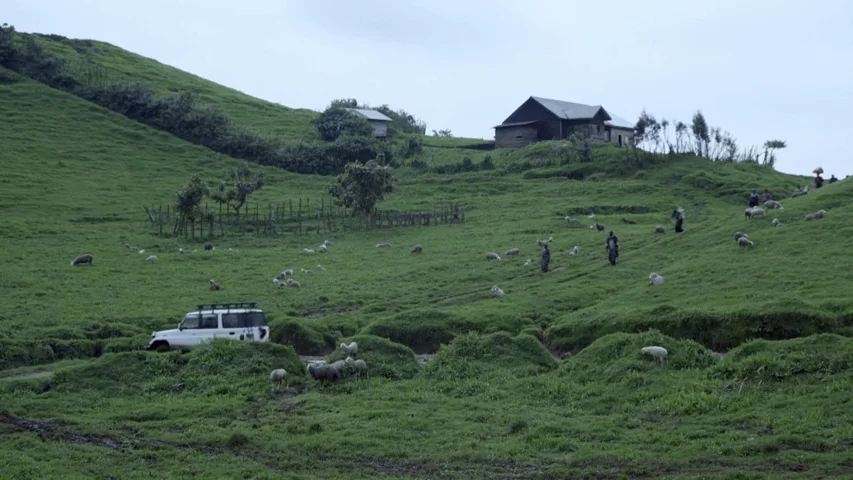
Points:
point(370, 114)
point(515, 124)
point(569, 110)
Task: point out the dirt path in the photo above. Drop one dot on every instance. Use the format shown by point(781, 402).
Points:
point(27, 376)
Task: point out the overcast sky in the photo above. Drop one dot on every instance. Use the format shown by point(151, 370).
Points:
point(760, 69)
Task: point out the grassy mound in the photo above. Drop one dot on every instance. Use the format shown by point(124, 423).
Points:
point(305, 337)
point(471, 356)
point(384, 358)
point(810, 358)
point(613, 356)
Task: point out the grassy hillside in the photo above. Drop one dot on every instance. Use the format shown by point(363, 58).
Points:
point(497, 401)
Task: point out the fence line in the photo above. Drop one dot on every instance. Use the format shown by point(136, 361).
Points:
point(288, 217)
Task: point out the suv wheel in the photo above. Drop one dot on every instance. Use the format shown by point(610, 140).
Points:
point(160, 346)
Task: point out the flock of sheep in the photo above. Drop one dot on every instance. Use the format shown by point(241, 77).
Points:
point(329, 372)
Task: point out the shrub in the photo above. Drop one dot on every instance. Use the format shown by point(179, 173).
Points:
point(337, 121)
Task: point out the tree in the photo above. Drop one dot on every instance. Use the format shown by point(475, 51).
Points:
point(243, 182)
point(680, 133)
point(442, 133)
point(7, 45)
point(701, 133)
point(188, 203)
point(361, 186)
point(770, 147)
point(337, 121)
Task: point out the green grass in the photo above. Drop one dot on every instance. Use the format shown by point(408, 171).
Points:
point(497, 401)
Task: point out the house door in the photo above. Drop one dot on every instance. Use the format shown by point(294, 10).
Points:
point(619, 137)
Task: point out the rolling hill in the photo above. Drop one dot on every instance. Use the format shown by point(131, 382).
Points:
point(546, 382)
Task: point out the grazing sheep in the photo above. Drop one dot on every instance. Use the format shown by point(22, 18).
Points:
point(142, 252)
point(629, 221)
point(591, 215)
point(327, 243)
point(816, 215)
point(322, 249)
point(744, 242)
point(351, 349)
point(738, 235)
point(574, 251)
point(287, 272)
point(214, 285)
point(321, 267)
point(383, 245)
point(528, 262)
point(417, 249)
point(800, 192)
point(359, 366)
point(151, 258)
point(659, 353)
point(324, 373)
point(292, 283)
point(308, 251)
point(512, 251)
point(278, 283)
point(777, 223)
point(660, 229)
point(655, 279)
point(574, 221)
point(542, 243)
point(209, 246)
point(83, 259)
point(773, 205)
point(339, 365)
point(497, 292)
point(185, 252)
point(278, 376)
point(751, 212)
point(492, 256)
point(303, 270)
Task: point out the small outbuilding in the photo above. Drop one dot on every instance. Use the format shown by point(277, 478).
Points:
point(377, 120)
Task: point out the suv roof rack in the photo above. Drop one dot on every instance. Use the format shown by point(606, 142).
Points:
point(227, 306)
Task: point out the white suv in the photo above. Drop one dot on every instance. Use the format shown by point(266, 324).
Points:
point(237, 321)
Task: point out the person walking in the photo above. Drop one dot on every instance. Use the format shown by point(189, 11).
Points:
point(546, 258)
point(612, 247)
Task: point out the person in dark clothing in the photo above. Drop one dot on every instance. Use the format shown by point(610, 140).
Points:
point(832, 179)
point(753, 199)
point(679, 221)
point(818, 181)
point(612, 247)
point(766, 196)
point(546, 258)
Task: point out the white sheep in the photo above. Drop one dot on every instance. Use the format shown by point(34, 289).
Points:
point(801, 192)
point(327, 243)
point(591, 215)
point(528, 262)
point(214, 285)
point(512, 251)
point(321, 267)
point(497, 292)
point(574, 221)
point(278, 283)
point(738, 235)
point(574, 250)
point(292, 283)
point(660, 229)
point(659, 353)
point(816, 215)
point(773, 205)
point(278, 376)
point(308, 251)
point(752, 212)
point(351, 348)
point(417, 249)
point(744, 242)
point(322, 249)
point(303, 270)
point(151, 258)
point(383, 245)
point(185, 252)
point(542, 243)
point(287, 272)
point(359, 366)
point(142, 252)
point(655, 279)
point(777, 223)
point(492, 256)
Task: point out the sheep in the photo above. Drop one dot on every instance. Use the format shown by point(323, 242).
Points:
point(512, 251)
point(528, 262)
point(308, 251)
point(351, 349)
point(659, 353)
point(739, 234)
point(185, 252)
point(751, 212)
point(151, 258)
point(497, 292)
point(339, 365)
point(816, 215)
point(383, 245)
point(492, 256)
point(359, 366)
point(327, 243)
point(209, 246)
point(83, 259)
point(660, 229)
point(278, 283)
point(574, 251)
point(800, 192)
point(292, 283)
point(629, 221)
point(591, 215)
point(655, 279)
point(287, 272)
point(599, 226)
point(303, 270)
point(278, 376)
point(322, 249)
point(773, 205)
point(325, 372)
point(573, 221)
point(214, 285)
point(142, 252)
point(417, 249)
point(321, 267)
point(744, 242)
point(542, 243)
point(777, 223)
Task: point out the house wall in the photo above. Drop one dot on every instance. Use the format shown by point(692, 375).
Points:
point(380, 128)
point(548, 125)
point(627, 135)
point(519, 136)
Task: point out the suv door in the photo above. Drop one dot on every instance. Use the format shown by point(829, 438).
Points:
point(208, 328)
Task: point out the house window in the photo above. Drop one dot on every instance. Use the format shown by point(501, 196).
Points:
point(598, 129)
point(518, 137)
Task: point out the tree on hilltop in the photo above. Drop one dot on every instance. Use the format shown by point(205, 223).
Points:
point(361, 186)
point(770, 147)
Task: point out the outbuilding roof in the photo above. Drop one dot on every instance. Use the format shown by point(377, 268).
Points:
point(370, 114)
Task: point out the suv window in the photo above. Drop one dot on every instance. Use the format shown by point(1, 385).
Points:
point(196, 321)
point(243, 320)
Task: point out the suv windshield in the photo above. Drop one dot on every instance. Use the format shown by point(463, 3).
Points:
point(243, 320)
